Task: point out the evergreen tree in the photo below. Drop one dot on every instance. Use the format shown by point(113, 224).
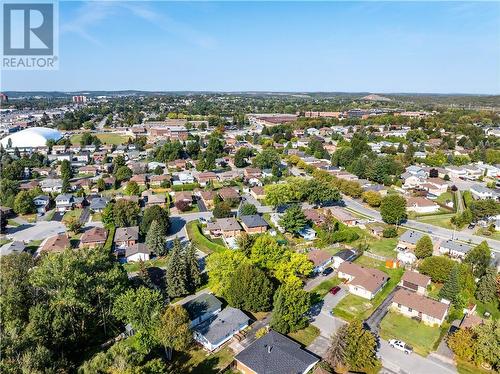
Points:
point(176, 277)
point(192, 268)
point(155, 239)
point(486, 290)
point(451, 288)
point(291, 302)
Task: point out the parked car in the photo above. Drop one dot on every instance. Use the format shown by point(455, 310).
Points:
point(471, 226)
point(335, 290)
point(402, 346)
point(327, 271)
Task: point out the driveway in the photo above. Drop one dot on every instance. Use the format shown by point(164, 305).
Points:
point(378, 314)
point(36, 231)
point(399, 362)
point(316, 281)
point(84, 216)
point(58, 216)
point(326, 323)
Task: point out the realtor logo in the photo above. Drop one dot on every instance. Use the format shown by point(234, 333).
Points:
point(29, 31)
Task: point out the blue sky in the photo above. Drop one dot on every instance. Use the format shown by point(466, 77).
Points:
point(445, 47)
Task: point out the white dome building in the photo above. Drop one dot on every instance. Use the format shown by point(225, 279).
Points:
point(31, 137)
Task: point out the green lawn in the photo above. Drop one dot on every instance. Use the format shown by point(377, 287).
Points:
point(445, 197)
point(200, 241)
point(487, 234)
point(434, 290)
point(106, 138)
point(354, 307)
point(198, 361)
point(305, 336)
point(135, 266)
point(4, 241)
point(324, 287)
point(441, 220)
point(109, 240)
point(493, 308)
point(75, 213)
point(420, 336)
point(469, 368)
point(12, 223)
point(33, 246)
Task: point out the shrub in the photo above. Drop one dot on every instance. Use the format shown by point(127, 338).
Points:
point(390, 232)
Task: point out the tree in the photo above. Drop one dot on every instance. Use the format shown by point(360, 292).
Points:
point(74, 225)
point(176, 278)
point(486, 290)
point(293, 268)
point(123, 173)
point(320, 192)
point(462, 343)
point(479, 258)
point(423, 248)
point(245, 243)
point(393, 209)
point(222, 210)
point(155, 213)
point(155, 239)
point(372, 198)
point(248, 210)
point(484, 208)
point(142, 309)
point(437, 267)
point(267, 159)
point(125, 213)
point(100, 184)
point(23, 204)
point(173, 331)
point(291, 303)
point(132, 188)
point(66, 172)
point(241, 155)
point(294, 220)
point(192, 268)
point(451, 288)
point(353, 349)
point(390, 232)
point(249, 289)
point(266, 252)
point(220, 268)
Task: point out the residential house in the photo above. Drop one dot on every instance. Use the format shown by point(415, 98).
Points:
point(51, 185)
point(42, 203)
point(258, 193)
point(435, 186)
point(454, 249)
point(344, 216)
point(97, 204)
point(202, 308)
point(409, 239)
point(480, 192)
point(207, 197)
point(363, 281)
point(307, 233)
point(56, 243)
point(29, 185)
point(274, 353)
point(228, 227)
point(137, 252)
point(315, 216)
point(156, 199)
point(473, 172)
point(64, 202)
point(456, 171)
point(411, 181)
point(94, 237)
point(421, 205)
point(157, 180)
point(126, 237)
point(183, 178)
point(217, 330)
point(346, 255)
point(206, 177)
point(415, 282)
point(254, 224)
point(140, 179)
point(228, 193)
point(320, 259)
point(414, 305)
point(186, 196)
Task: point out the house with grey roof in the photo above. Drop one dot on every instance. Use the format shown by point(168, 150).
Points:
point(220, 328)
point(12, 247)
point(254, 224)
point(480, 192)
point(275, 353)
point(454, 249)
point(97, 204)
point(409, 239)
point(202, 308)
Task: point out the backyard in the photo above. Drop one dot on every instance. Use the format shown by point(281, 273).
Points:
point(421, 337)
point(305, 336)
point(354, 307)
point(159, 262)
point(198, 361)
point(200, 241)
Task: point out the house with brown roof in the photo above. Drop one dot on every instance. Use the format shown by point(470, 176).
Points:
point(421, 205)
point(156, 199)
point(315, 216)
point(344, 216)
point(363, 281)
point(228, 227)
point(137, 252)
point(157, 180)
point(414, 305)
point(56, 243)
point(94, 237)
point(140, 179)
point(228, 193)
point(320, 259)
point(126, 237)
point(206, 177)
point(415, 282)
point(252, 173)
point(186, 196)
point(258, 193)
point(208, 198)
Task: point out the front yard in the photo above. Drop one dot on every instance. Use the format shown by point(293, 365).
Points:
point(421, 337)
point(75, 213)
point(354, 307)
point(320, 291)
point(135, 266)
point(305, 336)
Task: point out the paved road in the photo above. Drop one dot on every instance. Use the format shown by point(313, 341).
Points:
point(398, 362)
point(436, 231)
point(36, 231)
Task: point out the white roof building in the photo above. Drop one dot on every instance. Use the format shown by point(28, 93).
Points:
point(31, 137)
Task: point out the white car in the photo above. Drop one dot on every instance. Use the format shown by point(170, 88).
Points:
point(402, 346)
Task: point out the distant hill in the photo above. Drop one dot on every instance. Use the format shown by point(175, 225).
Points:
point(375, 97)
